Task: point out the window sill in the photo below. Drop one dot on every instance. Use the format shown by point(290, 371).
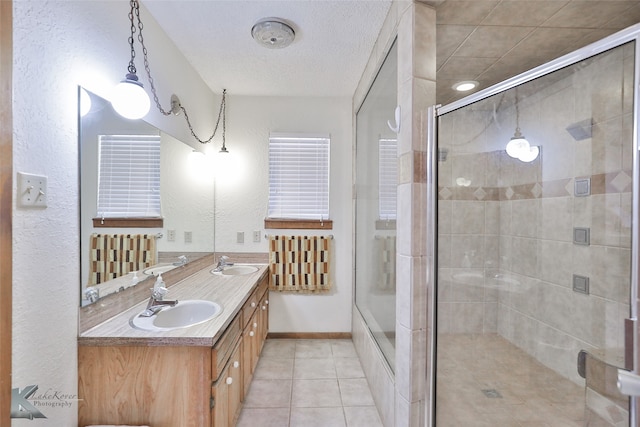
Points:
point(297, 224)
point(128, 222)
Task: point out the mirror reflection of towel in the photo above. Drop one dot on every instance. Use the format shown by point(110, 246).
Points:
point(300, 263)
point(386, 276)
point(114, 255)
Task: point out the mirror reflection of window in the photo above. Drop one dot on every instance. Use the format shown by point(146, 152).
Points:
point(129, 176)
point(387, 178)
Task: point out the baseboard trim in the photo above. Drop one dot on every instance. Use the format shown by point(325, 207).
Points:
point(311, 335)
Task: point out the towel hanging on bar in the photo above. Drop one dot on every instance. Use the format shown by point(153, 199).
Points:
point(300, 263)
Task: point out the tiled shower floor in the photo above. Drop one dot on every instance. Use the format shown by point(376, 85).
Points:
point(309, 383)
point(483, 380)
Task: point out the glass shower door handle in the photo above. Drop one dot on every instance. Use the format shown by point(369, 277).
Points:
point(628, 383)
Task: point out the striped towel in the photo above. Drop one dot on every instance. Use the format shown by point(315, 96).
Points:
point(299, 263)
point(114, 255)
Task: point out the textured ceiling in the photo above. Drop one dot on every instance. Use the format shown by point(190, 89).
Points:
point(484, 40)
point(332, 45)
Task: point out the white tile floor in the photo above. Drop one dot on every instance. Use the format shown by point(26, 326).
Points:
point(309, 383)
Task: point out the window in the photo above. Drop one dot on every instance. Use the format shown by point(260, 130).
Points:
point(129, 176)
point(387, 178)
point(299, 176)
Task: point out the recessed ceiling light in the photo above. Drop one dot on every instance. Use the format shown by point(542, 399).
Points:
point(465, 86)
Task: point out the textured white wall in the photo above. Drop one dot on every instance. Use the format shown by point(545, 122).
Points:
point(242, 184)
point(57, 46)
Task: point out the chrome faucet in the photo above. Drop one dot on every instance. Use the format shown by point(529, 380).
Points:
point(182, 260)
point(222, 263)
point(92, 294)
point(157, 302)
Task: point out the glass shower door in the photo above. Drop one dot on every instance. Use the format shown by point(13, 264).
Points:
point(534, 245)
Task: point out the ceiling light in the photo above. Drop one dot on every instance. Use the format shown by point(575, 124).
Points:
point(465, 86)
point(273, 33)
point(130, 100)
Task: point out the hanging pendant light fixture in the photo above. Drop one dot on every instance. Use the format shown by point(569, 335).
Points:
point(130, 100)
point(518, 147)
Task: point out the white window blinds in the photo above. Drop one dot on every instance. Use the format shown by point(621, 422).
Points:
point(387, 178)
point(129, 176)
point(298, 176)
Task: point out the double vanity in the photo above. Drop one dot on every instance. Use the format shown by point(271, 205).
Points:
point(187, 365)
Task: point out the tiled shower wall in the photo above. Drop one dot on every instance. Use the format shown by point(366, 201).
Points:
point(505, 228)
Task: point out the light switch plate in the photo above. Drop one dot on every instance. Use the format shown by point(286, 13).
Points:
point(32, 190)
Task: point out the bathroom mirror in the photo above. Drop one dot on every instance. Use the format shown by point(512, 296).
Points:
point(186, 194)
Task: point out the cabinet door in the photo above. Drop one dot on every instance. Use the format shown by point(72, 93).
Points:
point(264, 319)
point(227, 392)
point(235, 385)
point(247, 351)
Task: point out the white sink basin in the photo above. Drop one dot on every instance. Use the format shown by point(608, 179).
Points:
point(158, 269)
point(184, 314)
point(236, 270)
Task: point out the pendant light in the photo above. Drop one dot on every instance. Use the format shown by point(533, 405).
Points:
point(131, 101)
point(518, 147)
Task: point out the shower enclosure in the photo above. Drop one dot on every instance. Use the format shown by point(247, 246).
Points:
point(536, 270)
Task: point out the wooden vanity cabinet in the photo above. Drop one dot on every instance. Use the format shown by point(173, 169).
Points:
point(169, 386)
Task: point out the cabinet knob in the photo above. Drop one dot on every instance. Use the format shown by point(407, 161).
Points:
point(251, 333)
point(253, 304)
point(236, 364)
point(264, 307)
point(255, 324)
point(266, 302)
point(229, 380)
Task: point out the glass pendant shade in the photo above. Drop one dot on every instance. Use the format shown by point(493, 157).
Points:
point(130, 99)
point(517, 145)
point(529, 155)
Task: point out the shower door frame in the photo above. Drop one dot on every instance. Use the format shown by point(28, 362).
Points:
point(629, 34)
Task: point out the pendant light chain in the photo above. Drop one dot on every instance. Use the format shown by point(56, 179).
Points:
point(135, 8)
point(132, 66)
point(222, 113)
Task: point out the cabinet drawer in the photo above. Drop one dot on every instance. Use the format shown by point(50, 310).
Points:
point(222, 350)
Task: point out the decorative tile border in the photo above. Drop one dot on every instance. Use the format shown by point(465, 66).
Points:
point(606, 183)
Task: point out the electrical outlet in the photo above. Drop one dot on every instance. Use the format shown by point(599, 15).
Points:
point(240, 237)
point(256, 236)
point(32, 190)
point(188, 236)
point(171, 235)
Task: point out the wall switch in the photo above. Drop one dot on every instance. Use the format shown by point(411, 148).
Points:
point(32, 190)
point(240, 237)
point(188, 236)
point(256, 236)
point(171, 235)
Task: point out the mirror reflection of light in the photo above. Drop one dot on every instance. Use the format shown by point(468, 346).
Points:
point(85, 102)
point(229, 168)
point(200, 167)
